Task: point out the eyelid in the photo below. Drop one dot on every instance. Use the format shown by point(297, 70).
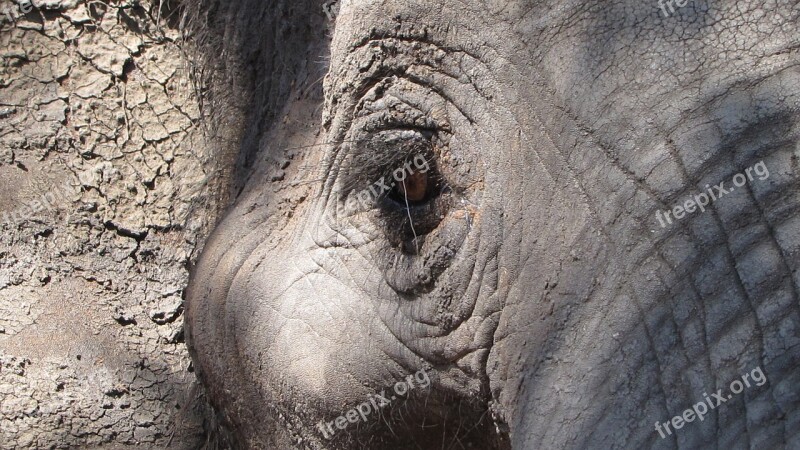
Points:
point(371, 161)
point(398, 117)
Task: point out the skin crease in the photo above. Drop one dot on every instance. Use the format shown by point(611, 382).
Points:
point(548, 304)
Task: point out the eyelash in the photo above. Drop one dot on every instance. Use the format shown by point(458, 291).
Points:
point(384, 155)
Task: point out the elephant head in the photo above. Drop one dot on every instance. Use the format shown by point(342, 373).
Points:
point(576, 219)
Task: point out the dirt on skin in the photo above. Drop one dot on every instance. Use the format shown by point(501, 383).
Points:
point(108, 187)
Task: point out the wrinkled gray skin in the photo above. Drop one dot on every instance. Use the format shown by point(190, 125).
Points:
point(547, 303)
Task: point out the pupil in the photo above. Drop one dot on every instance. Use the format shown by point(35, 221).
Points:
point(414, 187)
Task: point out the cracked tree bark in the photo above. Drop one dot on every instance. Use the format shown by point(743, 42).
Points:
point(108, 189)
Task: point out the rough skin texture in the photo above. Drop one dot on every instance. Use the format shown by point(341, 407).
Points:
point(97, 106)
point(543, 298)
point(550, 307)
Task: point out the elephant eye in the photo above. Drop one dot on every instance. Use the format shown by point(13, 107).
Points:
point(394, 175)
point(414, 188)
point(415, 205)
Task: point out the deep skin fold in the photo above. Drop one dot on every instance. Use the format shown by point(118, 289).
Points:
point(565, 312)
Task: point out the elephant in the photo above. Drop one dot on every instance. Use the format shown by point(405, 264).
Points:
point(551, 224)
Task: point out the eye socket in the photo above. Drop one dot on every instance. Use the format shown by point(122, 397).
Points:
point(393, 176)
point(414, 207)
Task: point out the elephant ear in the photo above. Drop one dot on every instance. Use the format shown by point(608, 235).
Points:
point(254, 57)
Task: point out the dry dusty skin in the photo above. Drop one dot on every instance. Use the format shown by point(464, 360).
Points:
point(105, 184)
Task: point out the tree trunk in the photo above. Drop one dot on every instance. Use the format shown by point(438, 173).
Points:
point(108, 189)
